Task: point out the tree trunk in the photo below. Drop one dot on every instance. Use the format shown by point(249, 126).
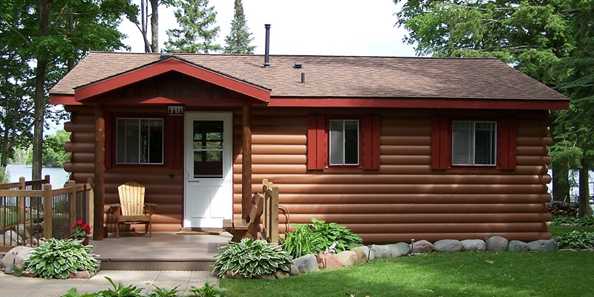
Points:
point(584, 202)
point(39, 99)
point(560, 182)
point(154, 26)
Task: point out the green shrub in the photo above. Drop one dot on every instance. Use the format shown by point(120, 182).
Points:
point(576, 240)
point(573, 221)
point(318, 237)
point(207, 291)
point(58, 258)
point(162, 292)
point(251, 259)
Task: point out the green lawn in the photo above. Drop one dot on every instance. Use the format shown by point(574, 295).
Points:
point(447, 275)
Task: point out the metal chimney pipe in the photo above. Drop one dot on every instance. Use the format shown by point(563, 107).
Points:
point(267, 46)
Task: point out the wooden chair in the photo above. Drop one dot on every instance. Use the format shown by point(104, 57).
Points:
point(132, 208)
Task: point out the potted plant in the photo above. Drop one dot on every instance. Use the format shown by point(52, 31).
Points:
point(81, 231)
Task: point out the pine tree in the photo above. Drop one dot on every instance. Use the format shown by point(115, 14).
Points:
point(239, 39)
point(198, 30)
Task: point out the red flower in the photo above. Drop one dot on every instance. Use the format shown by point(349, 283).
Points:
point(83, 226)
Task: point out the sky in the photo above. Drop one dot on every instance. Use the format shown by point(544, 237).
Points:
point(326, 27)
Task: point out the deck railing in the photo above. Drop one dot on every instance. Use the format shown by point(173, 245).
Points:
point(32, 210)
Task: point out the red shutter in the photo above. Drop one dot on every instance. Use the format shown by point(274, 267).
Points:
point(317, 143)
point(441, 150)
point(174, 151)
point(370, 142)
point(507, 133)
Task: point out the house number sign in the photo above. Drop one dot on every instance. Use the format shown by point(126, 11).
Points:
point(175, 110)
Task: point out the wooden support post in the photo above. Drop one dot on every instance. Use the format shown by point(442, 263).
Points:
point(48, 212)
point(99, 191)
point(246, 160)
point(22, 210)
point(274, 238)
point(90, 206)
point(71, 185)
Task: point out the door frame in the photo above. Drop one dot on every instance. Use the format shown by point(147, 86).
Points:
point(227, 118)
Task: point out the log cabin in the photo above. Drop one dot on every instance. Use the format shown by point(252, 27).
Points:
point(395, 148)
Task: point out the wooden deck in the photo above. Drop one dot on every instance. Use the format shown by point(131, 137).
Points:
point(162, 251)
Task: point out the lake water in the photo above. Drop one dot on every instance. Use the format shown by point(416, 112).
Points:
point(57, 175)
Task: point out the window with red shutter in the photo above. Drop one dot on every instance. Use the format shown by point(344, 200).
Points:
point(343, 142)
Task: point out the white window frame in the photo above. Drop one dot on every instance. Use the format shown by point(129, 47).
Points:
point(474, 123)
point(139, 141)
point(343, 143)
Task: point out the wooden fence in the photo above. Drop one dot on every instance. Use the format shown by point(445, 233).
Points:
point(32, 210)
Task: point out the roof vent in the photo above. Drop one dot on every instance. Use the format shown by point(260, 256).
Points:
point(302, 77)
point(164, 55)
point(297, 66)
point(267, 46)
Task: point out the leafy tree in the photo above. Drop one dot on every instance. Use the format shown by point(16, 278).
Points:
point(54, 154)
point(198, 29)
point(50, 37)
point(239, 39)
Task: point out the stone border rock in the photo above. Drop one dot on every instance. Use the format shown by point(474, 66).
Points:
point(363, 254)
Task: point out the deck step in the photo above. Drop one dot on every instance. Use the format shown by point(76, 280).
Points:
point(157, 264)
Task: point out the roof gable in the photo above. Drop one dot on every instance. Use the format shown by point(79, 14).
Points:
point(171, 64)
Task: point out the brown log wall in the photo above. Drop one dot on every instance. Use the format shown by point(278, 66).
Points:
point(405, 199)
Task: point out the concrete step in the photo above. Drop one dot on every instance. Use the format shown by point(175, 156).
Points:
point(157, 264)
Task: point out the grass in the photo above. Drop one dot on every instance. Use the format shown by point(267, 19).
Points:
point(447, 275)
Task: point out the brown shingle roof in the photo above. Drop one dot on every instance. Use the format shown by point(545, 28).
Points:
point(340, 76)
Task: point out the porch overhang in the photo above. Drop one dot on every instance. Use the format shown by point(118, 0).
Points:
point(172, 64)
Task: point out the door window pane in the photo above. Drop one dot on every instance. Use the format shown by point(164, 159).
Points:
point(208, 148)
point(344, 142)
point(139, 141)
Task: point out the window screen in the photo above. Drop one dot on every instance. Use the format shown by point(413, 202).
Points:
point(344, 142)
point(473, 142)
point(139, 141)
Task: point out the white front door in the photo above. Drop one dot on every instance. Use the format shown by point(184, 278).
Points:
point(208, 189)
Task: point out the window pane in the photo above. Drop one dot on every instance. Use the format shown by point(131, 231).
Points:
point(132, 145)
point(351, 142)
point(208, 134)
point(156, 144)
point(208, 164)
point(121, 141)
point(484, 142)
point(462, 142)
point(336, 142)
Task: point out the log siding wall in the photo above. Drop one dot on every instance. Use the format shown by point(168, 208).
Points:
point(405, 199)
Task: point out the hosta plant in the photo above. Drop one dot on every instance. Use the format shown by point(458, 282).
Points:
point(576, 240)
point(319, 236)
point(251, 259)
point(59, 258)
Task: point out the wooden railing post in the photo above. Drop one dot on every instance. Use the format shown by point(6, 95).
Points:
point(274, 238)
point(72, 190)
point(90, 205)
point(22, 211)
point(47, 211)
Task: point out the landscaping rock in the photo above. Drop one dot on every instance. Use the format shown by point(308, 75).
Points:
point(362, 253)
point(347, 258)
point(447, 245)
point(15, 258)
point(329, 261)
point(379, 252)
point(474, 245)
point(398, 249)
point(543, 245)
point(81, 275)
point(303, 264)
point(281, 274)
point(10, 238)
point(422, 246)
point(517, 246)
point(497, 244)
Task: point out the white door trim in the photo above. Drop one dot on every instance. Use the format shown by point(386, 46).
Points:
point(220, 204)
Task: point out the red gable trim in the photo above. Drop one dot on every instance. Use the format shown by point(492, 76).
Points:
point(418, 103)
point(63, 99)
point(171, 64)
